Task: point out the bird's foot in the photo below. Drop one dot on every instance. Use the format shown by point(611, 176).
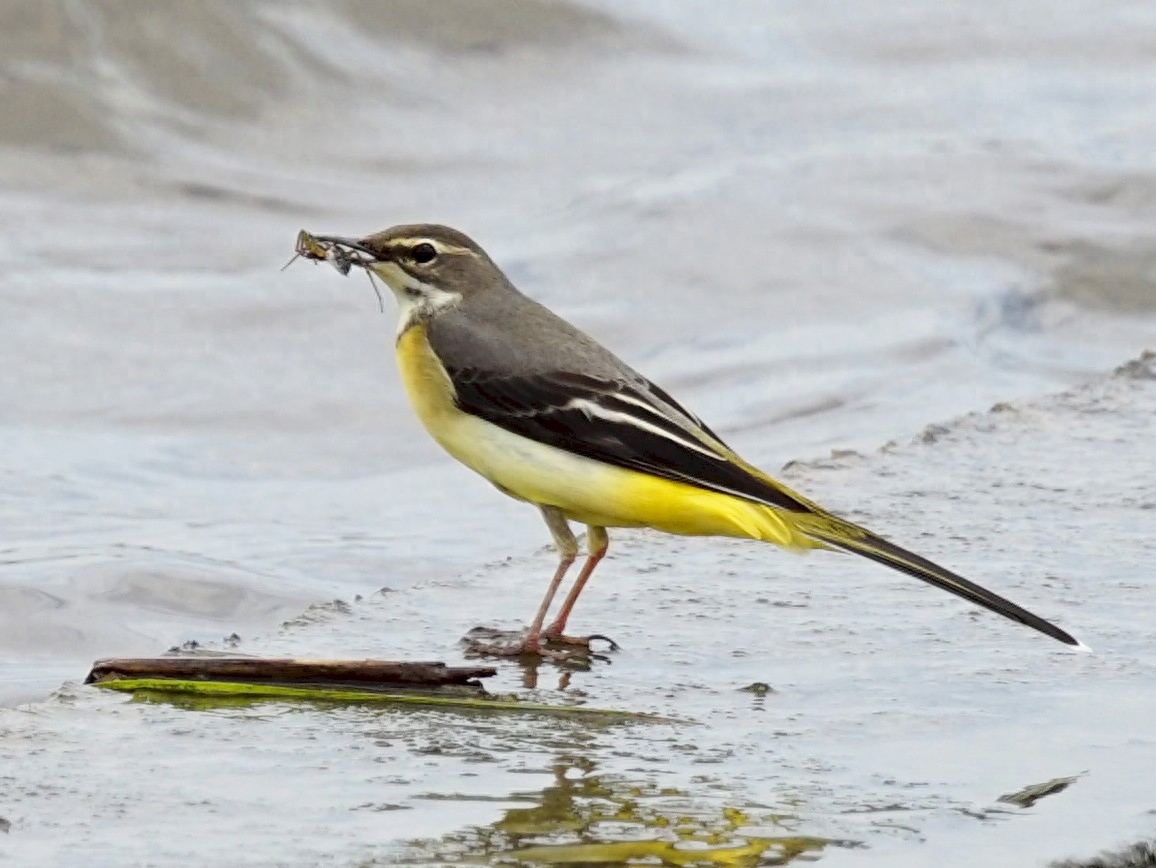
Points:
point(554, 636)
point(488, 642)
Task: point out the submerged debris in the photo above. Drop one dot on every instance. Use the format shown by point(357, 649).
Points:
point(1032, 793)
point(758, 688)
point(1141, 855)
point(1142, 368)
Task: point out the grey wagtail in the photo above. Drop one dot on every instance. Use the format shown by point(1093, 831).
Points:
point(550, 417)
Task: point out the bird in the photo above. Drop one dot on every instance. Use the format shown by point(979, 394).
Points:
point(551, 417)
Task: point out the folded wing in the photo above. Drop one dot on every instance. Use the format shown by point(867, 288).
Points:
point(631, 424)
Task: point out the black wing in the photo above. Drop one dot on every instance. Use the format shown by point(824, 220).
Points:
point(631, 425)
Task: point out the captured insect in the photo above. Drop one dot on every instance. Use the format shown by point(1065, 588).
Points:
point(337, 253)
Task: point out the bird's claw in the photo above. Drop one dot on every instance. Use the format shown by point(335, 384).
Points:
point(488, 642)
point(579, 641)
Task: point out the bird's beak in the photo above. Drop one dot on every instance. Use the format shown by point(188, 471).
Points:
point(350, 243)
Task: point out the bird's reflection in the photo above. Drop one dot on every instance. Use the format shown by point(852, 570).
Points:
point(587, 818)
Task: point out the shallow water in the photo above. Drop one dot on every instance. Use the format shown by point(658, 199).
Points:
point(822, 229)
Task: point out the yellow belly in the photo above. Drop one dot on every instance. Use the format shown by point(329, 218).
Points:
point(585, 490)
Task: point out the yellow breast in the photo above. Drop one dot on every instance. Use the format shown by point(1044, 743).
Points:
point(426, 382)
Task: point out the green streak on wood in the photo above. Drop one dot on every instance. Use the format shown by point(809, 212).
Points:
point(228, 690)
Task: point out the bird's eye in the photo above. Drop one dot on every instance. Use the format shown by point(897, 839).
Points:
point(423, 253)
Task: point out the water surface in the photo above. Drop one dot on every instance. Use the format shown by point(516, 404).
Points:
point(822, 228)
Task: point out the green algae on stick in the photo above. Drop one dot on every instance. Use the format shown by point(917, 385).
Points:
point(210, 692)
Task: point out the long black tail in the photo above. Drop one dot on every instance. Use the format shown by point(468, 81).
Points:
point(851, 538)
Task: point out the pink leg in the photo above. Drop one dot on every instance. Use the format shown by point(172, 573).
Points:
point(534, 633)
point(567, 552)
point(597, 541)
point(531, 641)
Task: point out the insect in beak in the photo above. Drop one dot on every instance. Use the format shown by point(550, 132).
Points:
point(341, 253)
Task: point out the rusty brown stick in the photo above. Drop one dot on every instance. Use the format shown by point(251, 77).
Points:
point(288, 671)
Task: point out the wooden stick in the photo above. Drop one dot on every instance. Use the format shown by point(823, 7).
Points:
point(382, 673)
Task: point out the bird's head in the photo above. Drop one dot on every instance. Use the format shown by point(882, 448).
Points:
point(428, 267)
